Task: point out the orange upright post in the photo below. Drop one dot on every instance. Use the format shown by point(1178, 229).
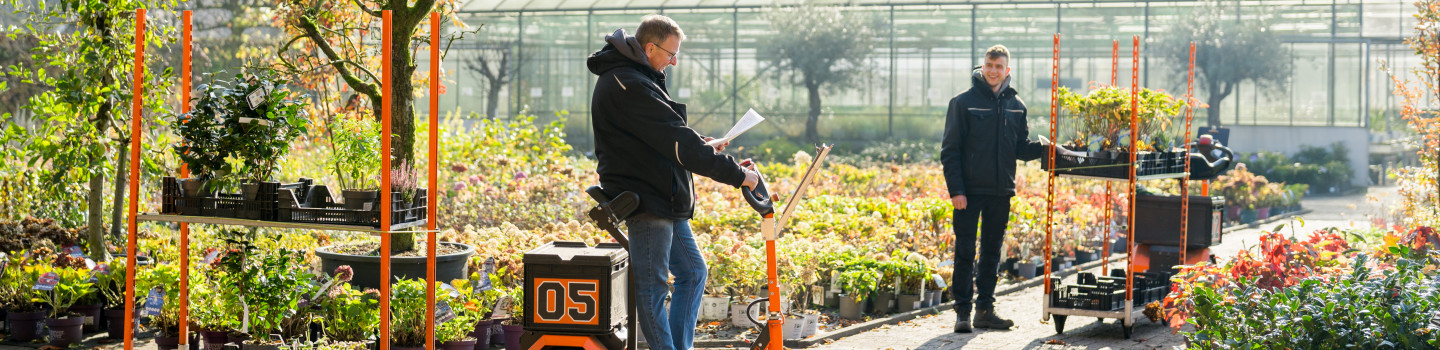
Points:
point(385, 100)
point(774, 323)
point(1134, 149)
point(1050, 175)
point(1109, 194)
point(136, 110)
point(430, 191)
point(183, 314)
point(1185, 181)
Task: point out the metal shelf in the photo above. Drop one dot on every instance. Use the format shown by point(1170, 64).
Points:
point(1129, 313)
point(374, 231)
point(1137, 178)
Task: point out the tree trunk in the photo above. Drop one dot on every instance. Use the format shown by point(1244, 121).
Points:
point(95, 231)
point(812, 130)
point(402, 111)
point(122, 177)
point(492, 99)
point(1213, 113)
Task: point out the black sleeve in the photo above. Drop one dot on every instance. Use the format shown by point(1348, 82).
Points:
point(660, 127)
point(952, 150)
point(1025, 149)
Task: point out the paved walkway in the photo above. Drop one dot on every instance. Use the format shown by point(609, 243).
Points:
point(934, 332)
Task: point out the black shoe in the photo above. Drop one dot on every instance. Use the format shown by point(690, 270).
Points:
point(962, 323)
point(988, 319)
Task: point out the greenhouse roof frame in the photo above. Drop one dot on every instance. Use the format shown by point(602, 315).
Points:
point(511, 6)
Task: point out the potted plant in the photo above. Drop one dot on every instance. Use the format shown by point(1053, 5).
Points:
point(349, 315)
point(23, 313)
point(166, 324)
point(857, 282)
point(269, 288)
point(355, 142)
point(200, 149)
point(514, 327)
point(407, 317)
point(477, 303)
point(70, 286)
point(110, 280)
point(912, 282)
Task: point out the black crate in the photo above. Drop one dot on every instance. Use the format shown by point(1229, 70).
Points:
point(169, 195)
point(574, 288)
point(1157, 220)
point(1115, 165)
point(323, 210)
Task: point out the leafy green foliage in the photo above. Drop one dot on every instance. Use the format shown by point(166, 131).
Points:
point(407, 312)
point(223, 127)
point(72, 286)
point(350, 315)
point(820, 46)
point(356, 147)
point(1106, 112)
point(1228, 51)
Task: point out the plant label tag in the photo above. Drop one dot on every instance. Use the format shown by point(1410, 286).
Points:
point(257, 98)
point(89, 264)
point(817, 296)
point(47, 281)
point(454, 293)
point(945, 263)
point(484, 284)
point(834, 287)
point(367, 207)
point(897, 285)
point(211, 256)
point(324, 289)
point(939, 281)
point(502, 307)
point(154, 302)
point(74, 251)
point(443, 313)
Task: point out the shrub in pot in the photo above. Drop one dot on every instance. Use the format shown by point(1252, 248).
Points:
point(23, 316)
point(857, 283)
point(71, 284)
point(347, 314)
point(355, 142)
point(514, 327)
point(407, 316)
point(167, 323)
point(270, 286)
point(469, 301)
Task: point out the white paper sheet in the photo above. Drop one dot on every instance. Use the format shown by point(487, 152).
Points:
point(750, 120)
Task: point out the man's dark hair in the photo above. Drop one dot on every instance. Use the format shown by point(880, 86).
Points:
point(997, 51)
point(657, 28)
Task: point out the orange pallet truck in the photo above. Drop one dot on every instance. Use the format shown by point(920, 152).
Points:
point(583, 297)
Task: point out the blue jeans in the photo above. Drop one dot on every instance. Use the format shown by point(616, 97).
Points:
point(658, 248)
point(992, 213)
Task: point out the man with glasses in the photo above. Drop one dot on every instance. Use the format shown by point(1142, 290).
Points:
point(643, 145)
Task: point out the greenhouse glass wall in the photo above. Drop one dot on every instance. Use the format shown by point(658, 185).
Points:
point(922, 55)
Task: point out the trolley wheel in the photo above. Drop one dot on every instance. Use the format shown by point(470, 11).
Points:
point(1127, 328)
point(1059, 324)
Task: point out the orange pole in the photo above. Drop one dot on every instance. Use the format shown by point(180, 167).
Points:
point(1185, 181)
point(184, 313)
point(1109, 209)
point(385, 100)
point(430, 192)
point(135, 116)
point(776, 335)
point(1050, 177)
point(1134, 149)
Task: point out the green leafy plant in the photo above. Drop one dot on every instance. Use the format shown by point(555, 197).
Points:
point(1105, 112)
point(407, 318)
point(859, 281)
point(71, 287)
point(112, 285)
point(349, 314)
point(167, 278)
point(16, 284)
point(277, 121)
point(356, 147)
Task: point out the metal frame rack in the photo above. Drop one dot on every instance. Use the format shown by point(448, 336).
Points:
point(1128, 314)
point(384, 230)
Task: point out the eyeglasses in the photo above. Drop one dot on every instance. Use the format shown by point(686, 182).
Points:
point(672, 54)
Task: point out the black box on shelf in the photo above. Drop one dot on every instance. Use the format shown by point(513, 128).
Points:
point(1157, 220)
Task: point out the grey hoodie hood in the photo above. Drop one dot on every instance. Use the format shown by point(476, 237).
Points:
point(628, 46)
point(978, 79)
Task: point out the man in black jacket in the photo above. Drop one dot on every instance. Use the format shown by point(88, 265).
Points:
point(644, 146)
point(985, 133)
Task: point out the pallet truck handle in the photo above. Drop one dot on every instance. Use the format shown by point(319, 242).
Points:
point(759, 198)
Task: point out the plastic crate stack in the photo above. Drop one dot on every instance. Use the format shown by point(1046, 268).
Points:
point(1107, 293)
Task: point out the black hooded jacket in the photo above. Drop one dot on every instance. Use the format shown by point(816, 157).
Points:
point(642, 141)
point(984, 135)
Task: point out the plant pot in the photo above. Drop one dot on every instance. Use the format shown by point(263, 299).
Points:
point(909, 302)
point(115, 323)
point(936, 297)
point(1027, 270)
point(367, 268)
point(66, 331)
point(482, 335)
point(237, 339)
point(1248, 215)
point(91, 314)
point(397, 347)
point(459, 345)
point(1232, 213)
point(1008, 266)
point(832, 299)
point(25, 326)
point(794, 327)
point(167, 342)
point(883, 303)
point(139, 260)
point(497, 332)
point(850, 308)
point(1262, 213)
point(192, 187)
point(738, 317)
point(355, 200)
point(512, 336)
point(214, 340)
point(714, 308)
point(260, 345)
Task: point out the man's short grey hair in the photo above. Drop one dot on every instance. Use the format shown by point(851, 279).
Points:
point(657, 28)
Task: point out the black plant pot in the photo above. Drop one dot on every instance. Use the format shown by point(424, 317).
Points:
point(367, 268)
point(355, 200)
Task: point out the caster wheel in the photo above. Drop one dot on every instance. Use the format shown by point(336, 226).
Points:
point(1127, 329)
point(1059, 324)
